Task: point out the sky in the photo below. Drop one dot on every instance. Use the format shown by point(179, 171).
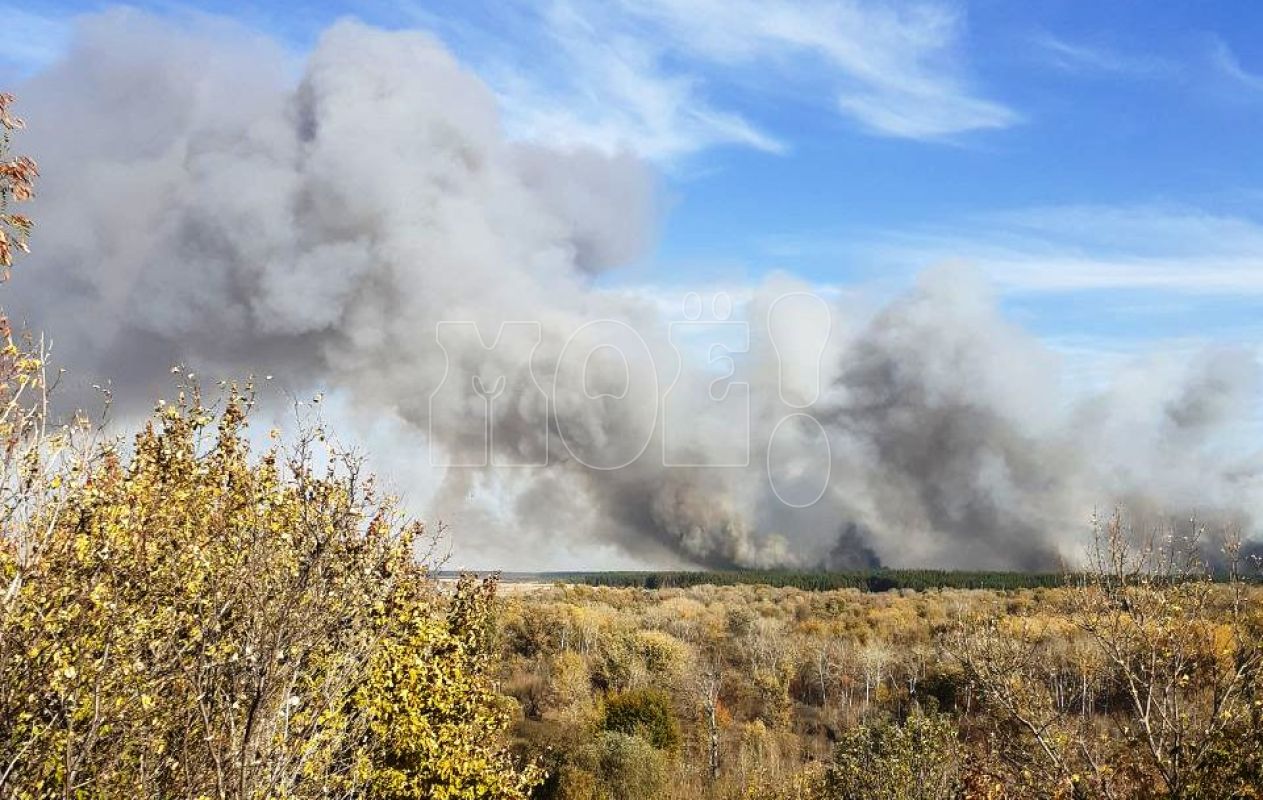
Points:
point(1099, 160)
point(1097, 163)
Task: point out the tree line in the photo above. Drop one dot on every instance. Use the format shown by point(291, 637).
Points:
point(874, 580)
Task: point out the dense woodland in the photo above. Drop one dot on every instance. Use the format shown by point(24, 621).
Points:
point(1137, 679)
point(874, 580)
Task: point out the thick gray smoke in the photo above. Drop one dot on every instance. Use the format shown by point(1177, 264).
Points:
point(205, 200)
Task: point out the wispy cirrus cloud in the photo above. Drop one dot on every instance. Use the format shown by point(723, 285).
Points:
point(1147, 247)
point(668, 78)
point(1079, 57)
point(898, 71)
point(1225, 60)
point(578, 75)
point(597, 85)
point(1071, 248)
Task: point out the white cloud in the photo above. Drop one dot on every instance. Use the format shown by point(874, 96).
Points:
point(927, 116)
point(669, 78)
point(1072, 248)
point(895, 70)
point(1168, 248)
point(1082, 58)
point(612, 92)
point(1226, 61)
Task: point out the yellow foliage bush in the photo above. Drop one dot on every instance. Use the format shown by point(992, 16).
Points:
point(183, 619)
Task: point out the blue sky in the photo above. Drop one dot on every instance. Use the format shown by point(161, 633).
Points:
point(1100, 161)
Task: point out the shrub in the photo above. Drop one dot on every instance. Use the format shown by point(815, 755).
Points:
point(576, 783)
point(918, 760)
point(183, 619)
point(630, 768)
point(646, 713)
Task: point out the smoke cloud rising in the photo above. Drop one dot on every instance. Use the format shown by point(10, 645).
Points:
point(209, 199)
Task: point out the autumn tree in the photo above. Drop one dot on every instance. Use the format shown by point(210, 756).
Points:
point(200, 622)
point(1170, 657)
point(17, 176)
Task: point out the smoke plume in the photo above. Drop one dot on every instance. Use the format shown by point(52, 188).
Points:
point(208, 199)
